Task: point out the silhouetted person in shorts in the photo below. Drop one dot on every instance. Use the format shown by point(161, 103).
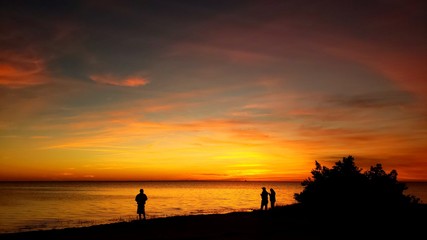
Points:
point(140, 199)
point(264, 199)
point(272, 197)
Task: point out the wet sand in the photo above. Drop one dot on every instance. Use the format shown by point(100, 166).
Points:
point(286, 222)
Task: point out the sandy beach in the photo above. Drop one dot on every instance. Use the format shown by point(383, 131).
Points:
point(286, 222)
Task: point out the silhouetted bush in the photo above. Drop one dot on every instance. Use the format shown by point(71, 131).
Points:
point(346, 186)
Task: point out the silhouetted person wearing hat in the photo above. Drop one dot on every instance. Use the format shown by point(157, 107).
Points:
point(140, 199)
point(264, 199)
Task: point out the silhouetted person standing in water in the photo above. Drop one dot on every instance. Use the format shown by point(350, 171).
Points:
point(264, 198)
point(140, 199)
point(272, 197)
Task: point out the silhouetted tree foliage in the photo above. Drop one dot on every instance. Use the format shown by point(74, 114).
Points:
point(346, 186)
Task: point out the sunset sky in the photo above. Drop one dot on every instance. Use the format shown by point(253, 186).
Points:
point(211, 90)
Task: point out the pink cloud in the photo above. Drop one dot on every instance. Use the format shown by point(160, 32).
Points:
point(132, 81)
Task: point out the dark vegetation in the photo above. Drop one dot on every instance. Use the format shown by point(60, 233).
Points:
point(345, 202)
point(346, 186)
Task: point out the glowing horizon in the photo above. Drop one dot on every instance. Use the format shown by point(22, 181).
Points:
point(211, 91)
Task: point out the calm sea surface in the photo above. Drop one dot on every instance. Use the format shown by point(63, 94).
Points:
point(26, 206)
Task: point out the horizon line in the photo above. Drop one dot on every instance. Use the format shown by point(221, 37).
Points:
point(179, 180)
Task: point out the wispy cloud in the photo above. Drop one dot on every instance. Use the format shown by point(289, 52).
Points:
point(21, 70)
point(213, 50)
point(131, 81)
point(375, 100)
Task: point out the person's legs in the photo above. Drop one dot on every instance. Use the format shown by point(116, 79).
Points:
point(263, 206)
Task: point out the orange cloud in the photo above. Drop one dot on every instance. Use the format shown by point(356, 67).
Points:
point(18, 71)
point(132, 81)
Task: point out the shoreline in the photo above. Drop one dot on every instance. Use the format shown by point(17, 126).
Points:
point(285, 222)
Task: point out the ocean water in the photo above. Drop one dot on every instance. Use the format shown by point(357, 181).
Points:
point(27, 206)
